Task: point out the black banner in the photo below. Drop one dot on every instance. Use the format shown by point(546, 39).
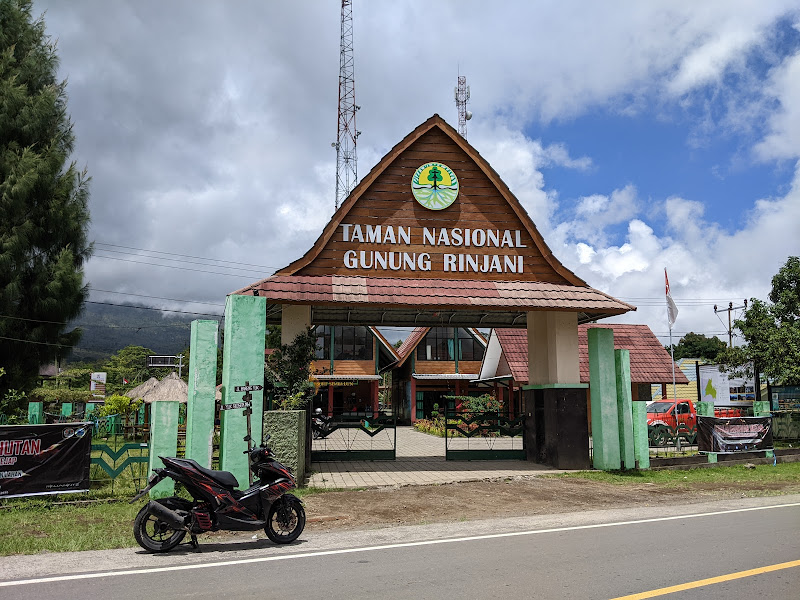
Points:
point(44, 459)
point(734, 434)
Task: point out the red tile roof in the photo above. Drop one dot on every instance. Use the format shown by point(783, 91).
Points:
point(411, 342)
point(650, 362)
point(435, 293)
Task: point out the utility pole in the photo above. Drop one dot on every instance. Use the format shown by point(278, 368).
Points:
point(729, 310)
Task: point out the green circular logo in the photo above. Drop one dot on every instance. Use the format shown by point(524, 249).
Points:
point(434, 186)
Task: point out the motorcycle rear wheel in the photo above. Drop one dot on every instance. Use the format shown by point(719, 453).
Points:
point(153, 534)
point(286, 520)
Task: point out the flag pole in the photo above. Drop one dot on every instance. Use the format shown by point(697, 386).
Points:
point(672, 314)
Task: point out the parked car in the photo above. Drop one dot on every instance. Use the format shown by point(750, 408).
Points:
point(667, 420)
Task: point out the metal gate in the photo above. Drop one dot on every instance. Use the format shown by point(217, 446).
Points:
point(484, 436)
point(362, 435)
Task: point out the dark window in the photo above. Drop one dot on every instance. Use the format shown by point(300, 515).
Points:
point(437, 345)
point(468, 347)
point(349, 343)
point(323, 333)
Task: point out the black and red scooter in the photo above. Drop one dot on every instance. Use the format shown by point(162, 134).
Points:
point(216, 503)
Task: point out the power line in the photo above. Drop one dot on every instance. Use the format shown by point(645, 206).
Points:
point(33, 342)
point(186, 256)
point(184, 312)
point(174, 266)
point(158, 297)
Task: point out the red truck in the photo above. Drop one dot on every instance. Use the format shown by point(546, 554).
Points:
point(668, 419)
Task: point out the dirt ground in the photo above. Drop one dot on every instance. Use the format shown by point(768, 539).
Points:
point(382, 507)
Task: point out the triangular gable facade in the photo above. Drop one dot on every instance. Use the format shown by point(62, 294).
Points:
point(381, 230)
point(405, 249)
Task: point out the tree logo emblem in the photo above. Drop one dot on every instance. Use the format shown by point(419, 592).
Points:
point(434, 186)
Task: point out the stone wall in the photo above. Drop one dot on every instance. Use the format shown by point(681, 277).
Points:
point(287, 430)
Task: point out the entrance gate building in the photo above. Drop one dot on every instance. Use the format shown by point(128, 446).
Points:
point(432, 237)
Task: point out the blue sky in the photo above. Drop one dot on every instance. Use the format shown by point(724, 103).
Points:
point(638, 135)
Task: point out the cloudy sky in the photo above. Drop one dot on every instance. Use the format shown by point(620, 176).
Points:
point(638, 135)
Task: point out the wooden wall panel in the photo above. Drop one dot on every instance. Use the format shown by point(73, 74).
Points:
point(469, 366)
point(354, 367)
point(432, 367)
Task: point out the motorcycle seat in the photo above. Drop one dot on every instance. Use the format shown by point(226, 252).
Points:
point(222, 477)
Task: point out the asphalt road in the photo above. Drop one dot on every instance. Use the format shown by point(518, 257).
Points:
point(752, 547)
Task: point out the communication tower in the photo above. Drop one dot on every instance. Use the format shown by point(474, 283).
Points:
point(462, 97)
point(345, 144)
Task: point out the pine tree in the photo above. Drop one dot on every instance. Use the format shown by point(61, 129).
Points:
point(44, 213)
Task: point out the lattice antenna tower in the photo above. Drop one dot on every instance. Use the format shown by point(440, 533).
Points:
point(345, 145)
point(462, 98)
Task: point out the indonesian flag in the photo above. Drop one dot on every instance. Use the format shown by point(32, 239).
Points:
point(125, 381)
point(672, 310)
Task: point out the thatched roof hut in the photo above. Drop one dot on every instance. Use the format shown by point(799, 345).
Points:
point(141, 389)
point(171, 387)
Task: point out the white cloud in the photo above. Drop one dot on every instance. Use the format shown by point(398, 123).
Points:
point(783, 128)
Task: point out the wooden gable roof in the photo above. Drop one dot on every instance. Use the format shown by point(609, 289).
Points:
point(383, 199)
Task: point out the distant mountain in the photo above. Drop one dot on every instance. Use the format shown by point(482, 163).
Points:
point(109, 328)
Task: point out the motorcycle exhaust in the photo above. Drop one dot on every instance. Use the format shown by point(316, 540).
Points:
point(169, 516)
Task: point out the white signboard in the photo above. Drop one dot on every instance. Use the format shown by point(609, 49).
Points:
point(722, 390)
point(98, 385)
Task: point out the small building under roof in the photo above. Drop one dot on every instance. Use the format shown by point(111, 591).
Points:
point(505, 367)
point(436, 364)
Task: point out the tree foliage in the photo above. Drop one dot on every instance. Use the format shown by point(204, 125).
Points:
point(287, 371)
point(697, 345)
point(44, 213)
point(771, 331)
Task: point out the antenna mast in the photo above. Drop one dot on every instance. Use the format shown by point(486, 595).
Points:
point(346, 159)
point(462, 97)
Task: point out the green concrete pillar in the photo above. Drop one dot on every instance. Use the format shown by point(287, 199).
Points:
point(622, 367)
point(202, 389)
point(35, 413)
point(163, 441)
point(90, 408)
point(603, 388)
point(761, 408)
point(287, 429)
point(641, 442)
point(242, 362)
point(141, 414)
point(66, 409)
point(712, 457)
point(705, 409)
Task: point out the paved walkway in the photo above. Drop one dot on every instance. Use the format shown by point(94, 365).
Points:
point(420, 461)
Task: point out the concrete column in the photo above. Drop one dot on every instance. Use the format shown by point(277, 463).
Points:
point(622, 362)
point(242, 361)
point(202, 390)
point(553, 348)
point(90, 408)
point(66, 409)
point(35, 413)
point(603, 387)
point(705, 409)
point(295, 319)
point(163, 442)
point(641, 443)
point(761, 408)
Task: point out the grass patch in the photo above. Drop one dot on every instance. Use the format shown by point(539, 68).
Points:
point(28, 526)
point(760, 475)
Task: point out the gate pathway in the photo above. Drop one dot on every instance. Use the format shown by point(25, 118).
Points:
point(420, 461)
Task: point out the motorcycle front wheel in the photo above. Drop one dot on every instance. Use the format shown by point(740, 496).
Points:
point(154, 535)
point(286, 520)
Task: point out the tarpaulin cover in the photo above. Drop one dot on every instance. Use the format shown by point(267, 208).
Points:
point(44, 459)
point(734, 434)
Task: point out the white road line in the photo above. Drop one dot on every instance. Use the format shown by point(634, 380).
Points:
point(490, 536)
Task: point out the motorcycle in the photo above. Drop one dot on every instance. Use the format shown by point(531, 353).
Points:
point(320, 424)
point(216, 504)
